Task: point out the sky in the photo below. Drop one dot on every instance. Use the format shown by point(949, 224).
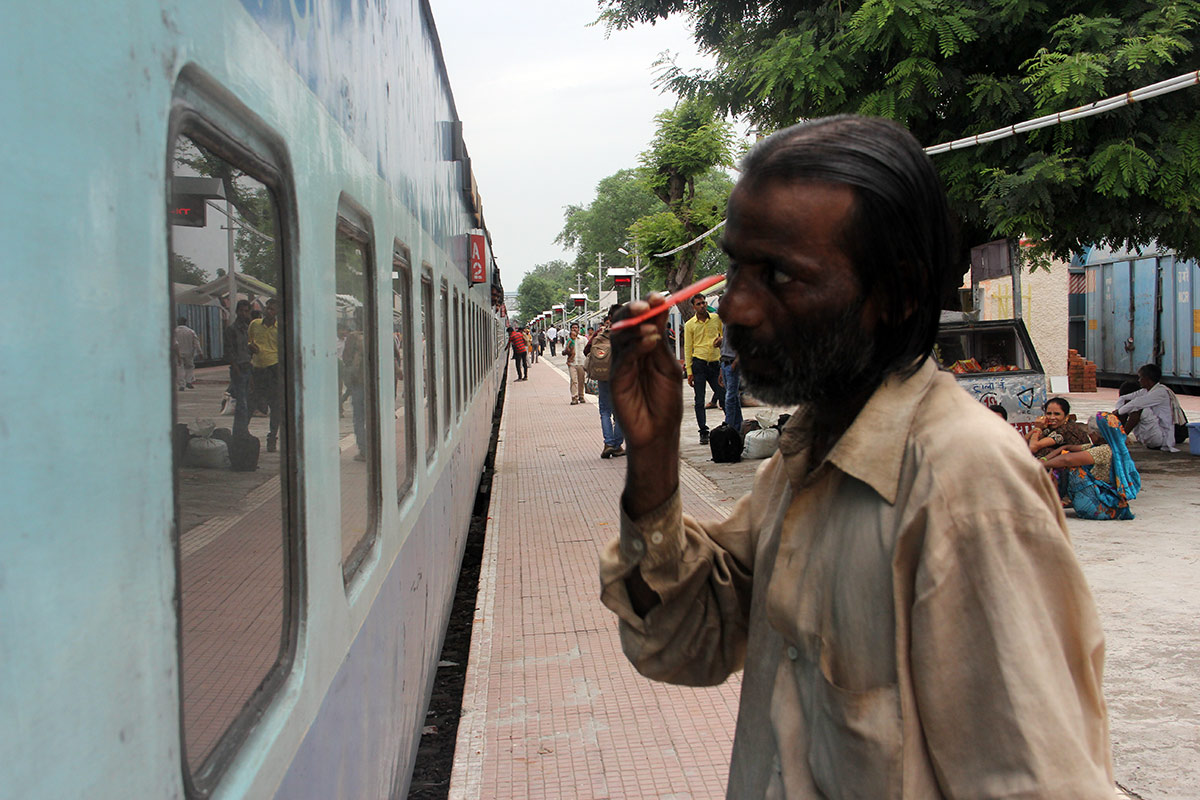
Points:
point(549, 107)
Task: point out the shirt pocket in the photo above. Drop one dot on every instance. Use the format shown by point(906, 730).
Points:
point(855, 737)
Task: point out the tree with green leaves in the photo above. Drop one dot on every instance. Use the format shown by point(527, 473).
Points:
point(952, 68)
point(544, 286)
point(185, 270)
point(602, 226)
point(691, 140)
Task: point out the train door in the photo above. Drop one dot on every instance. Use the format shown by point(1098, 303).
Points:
point(1143, 313)
point(1180, 321)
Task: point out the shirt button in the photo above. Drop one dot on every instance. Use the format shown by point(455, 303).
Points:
point(637, 545)
point(793, 653)
point(656, 537)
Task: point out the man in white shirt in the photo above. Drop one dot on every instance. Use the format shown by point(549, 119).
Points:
point(1149, 412)
point(552, 337)
point(186, 344)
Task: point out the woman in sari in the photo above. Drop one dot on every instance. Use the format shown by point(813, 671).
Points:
point(1099, 481)
point(1055, 428)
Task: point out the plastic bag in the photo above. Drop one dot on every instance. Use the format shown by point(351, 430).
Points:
point(761, 443)
point(767, 418)
point(206, 453)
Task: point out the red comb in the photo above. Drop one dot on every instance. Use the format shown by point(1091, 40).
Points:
point(675, 299)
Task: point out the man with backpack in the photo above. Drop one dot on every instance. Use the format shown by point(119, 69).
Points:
point(599, 366)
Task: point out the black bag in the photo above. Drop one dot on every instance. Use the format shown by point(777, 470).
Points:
point(726, 444)
point(243, 452)
point(179, 437)
point(748, 426)
point(224, 434)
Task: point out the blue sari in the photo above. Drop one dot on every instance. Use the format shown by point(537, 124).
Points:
point(1095, 499)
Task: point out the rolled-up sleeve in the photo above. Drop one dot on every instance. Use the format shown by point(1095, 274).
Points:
point(702, 574)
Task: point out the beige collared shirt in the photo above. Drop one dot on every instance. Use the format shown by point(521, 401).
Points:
point(910, 615)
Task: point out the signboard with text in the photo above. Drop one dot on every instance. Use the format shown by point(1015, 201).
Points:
point(478, 258)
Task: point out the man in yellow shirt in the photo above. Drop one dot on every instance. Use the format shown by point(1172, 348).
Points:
point(268, 385)
point(702, 357)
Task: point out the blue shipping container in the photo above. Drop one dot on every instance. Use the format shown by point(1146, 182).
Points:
point(1142, 308)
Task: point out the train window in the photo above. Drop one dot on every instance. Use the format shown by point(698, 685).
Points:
point(428, 337)
point(356, 445)
point(458, 362)
point(447, 375)
point(401, 358)
point(233, 361)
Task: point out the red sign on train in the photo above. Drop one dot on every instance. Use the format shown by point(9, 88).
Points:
point(478, 270)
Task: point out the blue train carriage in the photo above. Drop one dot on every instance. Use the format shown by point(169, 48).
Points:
point(233, 581)
point(1140, 307)
point(996, 362)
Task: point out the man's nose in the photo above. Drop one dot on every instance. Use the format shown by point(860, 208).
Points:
point(740, 306)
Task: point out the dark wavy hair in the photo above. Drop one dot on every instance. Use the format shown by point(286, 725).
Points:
point(899, 234)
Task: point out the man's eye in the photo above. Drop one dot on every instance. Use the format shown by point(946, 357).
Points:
point(779, 277)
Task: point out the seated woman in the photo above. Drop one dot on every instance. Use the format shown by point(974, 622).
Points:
point(1100, 480)
point(1055, 428)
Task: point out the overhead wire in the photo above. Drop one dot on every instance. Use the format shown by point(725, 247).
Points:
point(1080, 112)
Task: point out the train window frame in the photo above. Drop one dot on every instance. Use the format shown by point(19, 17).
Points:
point(354, 223)
point(458, 359)
point(429, 381)
point(208, 116)
point(447, 373)
point(402, 272)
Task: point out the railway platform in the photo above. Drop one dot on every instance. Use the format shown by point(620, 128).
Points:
point(551, 707)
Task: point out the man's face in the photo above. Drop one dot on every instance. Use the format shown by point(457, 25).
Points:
point(270, 311)
point(574, 330)
point(1144, 381)
point(793, 307)
point(700, 308)
point(243, 312)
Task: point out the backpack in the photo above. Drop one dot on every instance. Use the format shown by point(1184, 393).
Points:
point(726, 444)
point(599, 362)
point(243, 452)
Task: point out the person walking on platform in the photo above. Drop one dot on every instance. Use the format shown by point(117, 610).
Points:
point(906, 623)
point(702, 357)
point(268, 383)
point(186, 345)
point(517, 341)
point(599, 367)
point(731, 380)
point(552, 338)
point(239, 355)
point(574, 352)
point(541, 342)
point(530, 346)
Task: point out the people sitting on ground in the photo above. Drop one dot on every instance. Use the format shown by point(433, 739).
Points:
point(1149, 413)
point(1055, 428)
point(1097, 480)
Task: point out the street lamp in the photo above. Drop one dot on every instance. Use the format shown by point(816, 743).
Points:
point(637, 271)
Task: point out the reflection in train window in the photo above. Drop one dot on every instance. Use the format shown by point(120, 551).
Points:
point(356, 445)
point(233, 436)
point(401, 342)
point(447, 375)
point(429, 348)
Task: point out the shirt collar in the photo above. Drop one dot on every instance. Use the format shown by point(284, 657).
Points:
point(872, 448)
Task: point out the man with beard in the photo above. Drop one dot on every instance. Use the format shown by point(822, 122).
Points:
point(909, 625)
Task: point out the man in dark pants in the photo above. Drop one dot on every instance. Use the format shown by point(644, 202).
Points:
point(702, 356)
point(237, 353)
point(517, 340)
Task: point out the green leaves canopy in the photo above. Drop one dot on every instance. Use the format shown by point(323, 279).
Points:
point(951, 68)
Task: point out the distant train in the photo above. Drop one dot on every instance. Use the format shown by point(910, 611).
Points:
point(1133, 308)
point(233, 581)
